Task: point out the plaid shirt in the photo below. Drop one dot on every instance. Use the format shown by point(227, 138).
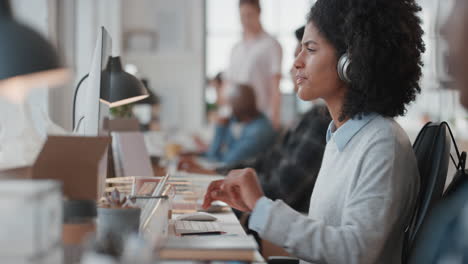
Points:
point(289, 169)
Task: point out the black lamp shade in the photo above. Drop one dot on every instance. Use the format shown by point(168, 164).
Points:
point(119, 87)
point(152, 98)
point(27, 60)
point(22, 50)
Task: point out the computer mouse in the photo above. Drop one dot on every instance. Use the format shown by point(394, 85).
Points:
point(198, 216)
point(217, 207)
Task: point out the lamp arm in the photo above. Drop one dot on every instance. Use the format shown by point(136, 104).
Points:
point(74, 98)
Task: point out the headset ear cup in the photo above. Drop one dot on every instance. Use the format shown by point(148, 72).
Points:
point(343, 68)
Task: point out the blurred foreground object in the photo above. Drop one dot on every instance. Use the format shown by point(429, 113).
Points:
point(28, 60)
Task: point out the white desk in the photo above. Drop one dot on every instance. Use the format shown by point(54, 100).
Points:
point(227, 219)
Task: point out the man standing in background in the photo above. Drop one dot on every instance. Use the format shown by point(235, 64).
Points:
point(256, 60)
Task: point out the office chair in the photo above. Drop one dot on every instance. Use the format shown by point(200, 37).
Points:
point(431, 241)
point(435, 237)
point(432, 150)
point(460, 178)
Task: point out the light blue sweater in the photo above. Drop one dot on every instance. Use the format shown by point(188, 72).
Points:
point(361, 203)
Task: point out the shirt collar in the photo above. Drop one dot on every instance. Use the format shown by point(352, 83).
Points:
point(344, 134)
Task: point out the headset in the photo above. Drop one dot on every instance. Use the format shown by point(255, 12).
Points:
point(343, 68)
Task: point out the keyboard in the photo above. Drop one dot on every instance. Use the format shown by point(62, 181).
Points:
point(197, 228)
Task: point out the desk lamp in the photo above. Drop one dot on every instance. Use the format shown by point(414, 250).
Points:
point(122, 87)
point(27, 60)
point(117, 86)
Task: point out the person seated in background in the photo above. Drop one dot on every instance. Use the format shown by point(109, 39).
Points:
point(218, 83)
point(215, 109)
point(288, 170)
point(148, 110)
point(246, 134)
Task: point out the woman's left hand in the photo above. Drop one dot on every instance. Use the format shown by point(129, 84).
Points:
point(241, 190)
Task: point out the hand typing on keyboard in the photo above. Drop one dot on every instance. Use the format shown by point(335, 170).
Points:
point(241, 189)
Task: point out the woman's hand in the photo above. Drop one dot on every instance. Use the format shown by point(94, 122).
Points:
point(240, 189)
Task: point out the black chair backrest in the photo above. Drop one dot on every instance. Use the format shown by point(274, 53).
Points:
point(432, 149)
point(459, 179)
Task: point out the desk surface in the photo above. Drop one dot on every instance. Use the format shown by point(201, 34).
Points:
point(229, 224)
point(226, 219)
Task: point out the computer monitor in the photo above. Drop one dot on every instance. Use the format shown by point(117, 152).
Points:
point(90, 112)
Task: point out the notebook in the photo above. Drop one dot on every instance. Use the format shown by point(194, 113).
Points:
point(197, 228)
point(221, 247)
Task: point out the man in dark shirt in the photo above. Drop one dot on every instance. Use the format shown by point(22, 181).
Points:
point(289, 169)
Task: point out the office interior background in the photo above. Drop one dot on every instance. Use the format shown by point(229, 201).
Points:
point(177, 45)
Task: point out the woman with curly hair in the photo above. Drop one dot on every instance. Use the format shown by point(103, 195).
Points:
point(363, 57)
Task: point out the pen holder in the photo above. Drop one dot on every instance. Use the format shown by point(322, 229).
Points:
point(117, 223)
point(155, 216)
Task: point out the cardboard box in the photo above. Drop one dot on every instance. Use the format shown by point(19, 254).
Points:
point(121, 125)
point(73, 161)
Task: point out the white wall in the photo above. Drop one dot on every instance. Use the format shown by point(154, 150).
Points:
point(177, 75)
point(176, 69)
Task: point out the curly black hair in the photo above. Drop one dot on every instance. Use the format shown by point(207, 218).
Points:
point(299, 33)
point(383, 39)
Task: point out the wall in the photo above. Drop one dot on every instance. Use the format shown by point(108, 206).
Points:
point(175, 71)
point(175, 68)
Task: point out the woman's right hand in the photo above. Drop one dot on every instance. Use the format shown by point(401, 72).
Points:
point(241, 190)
